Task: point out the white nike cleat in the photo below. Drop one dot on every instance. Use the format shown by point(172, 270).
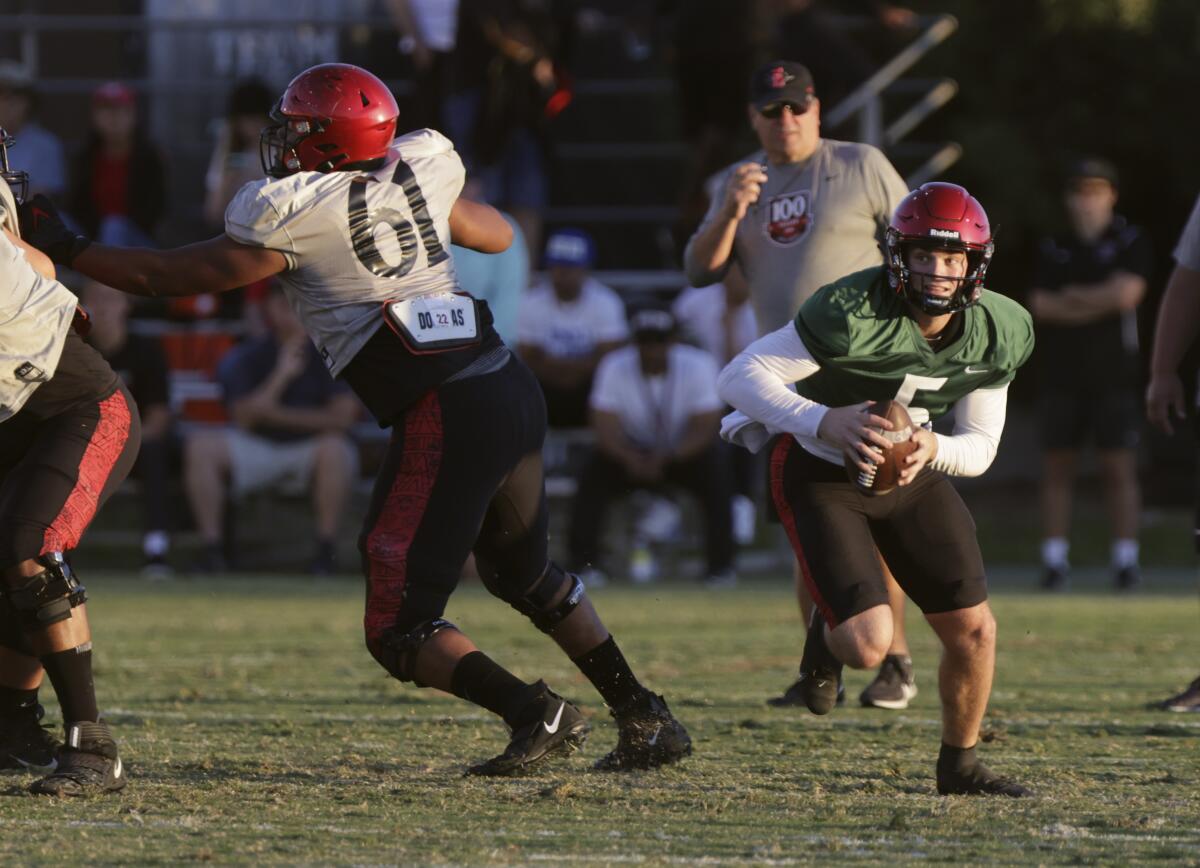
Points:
point(554, 727)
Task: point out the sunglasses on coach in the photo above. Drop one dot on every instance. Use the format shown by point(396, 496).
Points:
point(774, 111)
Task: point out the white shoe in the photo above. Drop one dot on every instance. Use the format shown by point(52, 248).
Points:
point(643, 567)
point(662, 521)
point(745, 514)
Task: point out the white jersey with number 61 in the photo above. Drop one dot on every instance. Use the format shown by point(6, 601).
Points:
point(354, 240)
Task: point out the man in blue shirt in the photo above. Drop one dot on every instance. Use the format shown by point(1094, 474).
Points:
point(289, 433)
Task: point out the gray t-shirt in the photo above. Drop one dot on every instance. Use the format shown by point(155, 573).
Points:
point(814, 222)
point(1187, 251)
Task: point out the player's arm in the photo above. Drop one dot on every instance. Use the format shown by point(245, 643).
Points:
point(216, 265)
point(1177, 328)
point(758, 382)
point(710, 248)
point(978, 425)
point(40, 261)
point(479, 227)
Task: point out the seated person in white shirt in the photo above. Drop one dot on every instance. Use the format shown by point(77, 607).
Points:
point(568, 322)
point(719, 318)
point(656, 416)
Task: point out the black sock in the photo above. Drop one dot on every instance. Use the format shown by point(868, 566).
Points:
point(606, 668)
point(479, 679)
point(956, 760)
point(15, 701)
point(71, 674)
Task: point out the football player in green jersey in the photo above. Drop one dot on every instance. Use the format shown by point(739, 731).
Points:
point(923, 331)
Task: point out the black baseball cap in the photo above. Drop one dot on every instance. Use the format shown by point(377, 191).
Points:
point(781, 81)
point(652, 323)
point(1092, 167)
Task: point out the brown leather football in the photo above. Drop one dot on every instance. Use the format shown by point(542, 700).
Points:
point(887, 474)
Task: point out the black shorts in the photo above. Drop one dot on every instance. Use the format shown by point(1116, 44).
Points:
point(56, 472)
point(462, 474)
point(1110, 418)
point(924, 532)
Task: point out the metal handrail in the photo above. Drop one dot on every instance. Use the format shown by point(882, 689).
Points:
point(942, 28)
point(867, 102)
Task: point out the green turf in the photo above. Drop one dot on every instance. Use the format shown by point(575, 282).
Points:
point(256, 729)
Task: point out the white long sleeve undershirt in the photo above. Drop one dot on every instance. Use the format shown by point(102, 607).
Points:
point(758, 384)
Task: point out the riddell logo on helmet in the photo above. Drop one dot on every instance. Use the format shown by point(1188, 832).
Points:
point(945, 233)
point(788, 217)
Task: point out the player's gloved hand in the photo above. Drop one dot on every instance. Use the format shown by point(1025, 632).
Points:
point(42, 227)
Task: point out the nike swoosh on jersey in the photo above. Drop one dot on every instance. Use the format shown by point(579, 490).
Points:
point(553, 727)
point(653, 740)
point(973, 370)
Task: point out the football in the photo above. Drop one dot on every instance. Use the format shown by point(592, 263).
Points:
point(887, 474)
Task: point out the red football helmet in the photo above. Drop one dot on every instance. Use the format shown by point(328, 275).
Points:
point(332, 117)
point(947, 217)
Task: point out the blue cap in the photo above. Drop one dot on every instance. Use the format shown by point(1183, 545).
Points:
point(570, 247)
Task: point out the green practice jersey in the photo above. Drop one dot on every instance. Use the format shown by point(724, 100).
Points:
point(860, 331)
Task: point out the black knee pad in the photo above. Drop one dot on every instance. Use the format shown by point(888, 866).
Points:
point(48, 597)
point(396, 651)
point(536, 604)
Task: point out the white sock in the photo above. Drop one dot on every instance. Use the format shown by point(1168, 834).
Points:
point(1124, 553)
point(1054, 552)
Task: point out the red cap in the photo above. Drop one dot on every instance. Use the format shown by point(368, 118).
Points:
point(113, 93)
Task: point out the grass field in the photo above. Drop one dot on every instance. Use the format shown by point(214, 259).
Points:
point(256, 728)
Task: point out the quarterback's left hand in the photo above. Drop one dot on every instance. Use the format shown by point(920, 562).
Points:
point(925, 452)
point(42, 227)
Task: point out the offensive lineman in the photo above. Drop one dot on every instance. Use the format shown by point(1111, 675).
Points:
point(920, 330)
point(69, 433)
point(357, 226)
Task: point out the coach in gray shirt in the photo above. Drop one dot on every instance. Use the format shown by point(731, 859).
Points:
point(801, 212)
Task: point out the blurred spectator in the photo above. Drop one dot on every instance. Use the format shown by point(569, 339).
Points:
point(718, 318)
point(508, 80)
point(118, 181)
point(37, 151)
point(428, 29)
point(235, 159)
point(1166, 401)
point(1087, 285)
point(141, 363)
point(567, 323)
point(290, 434)
point(500, 279)
point(808, 29)
point(656, 415)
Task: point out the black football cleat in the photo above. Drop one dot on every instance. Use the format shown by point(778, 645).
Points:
point(88, 764)
point(25, 744)
point(978, 781)
point(648, 736)
point(555, 727)
point(820, 671)
point(793, 697)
